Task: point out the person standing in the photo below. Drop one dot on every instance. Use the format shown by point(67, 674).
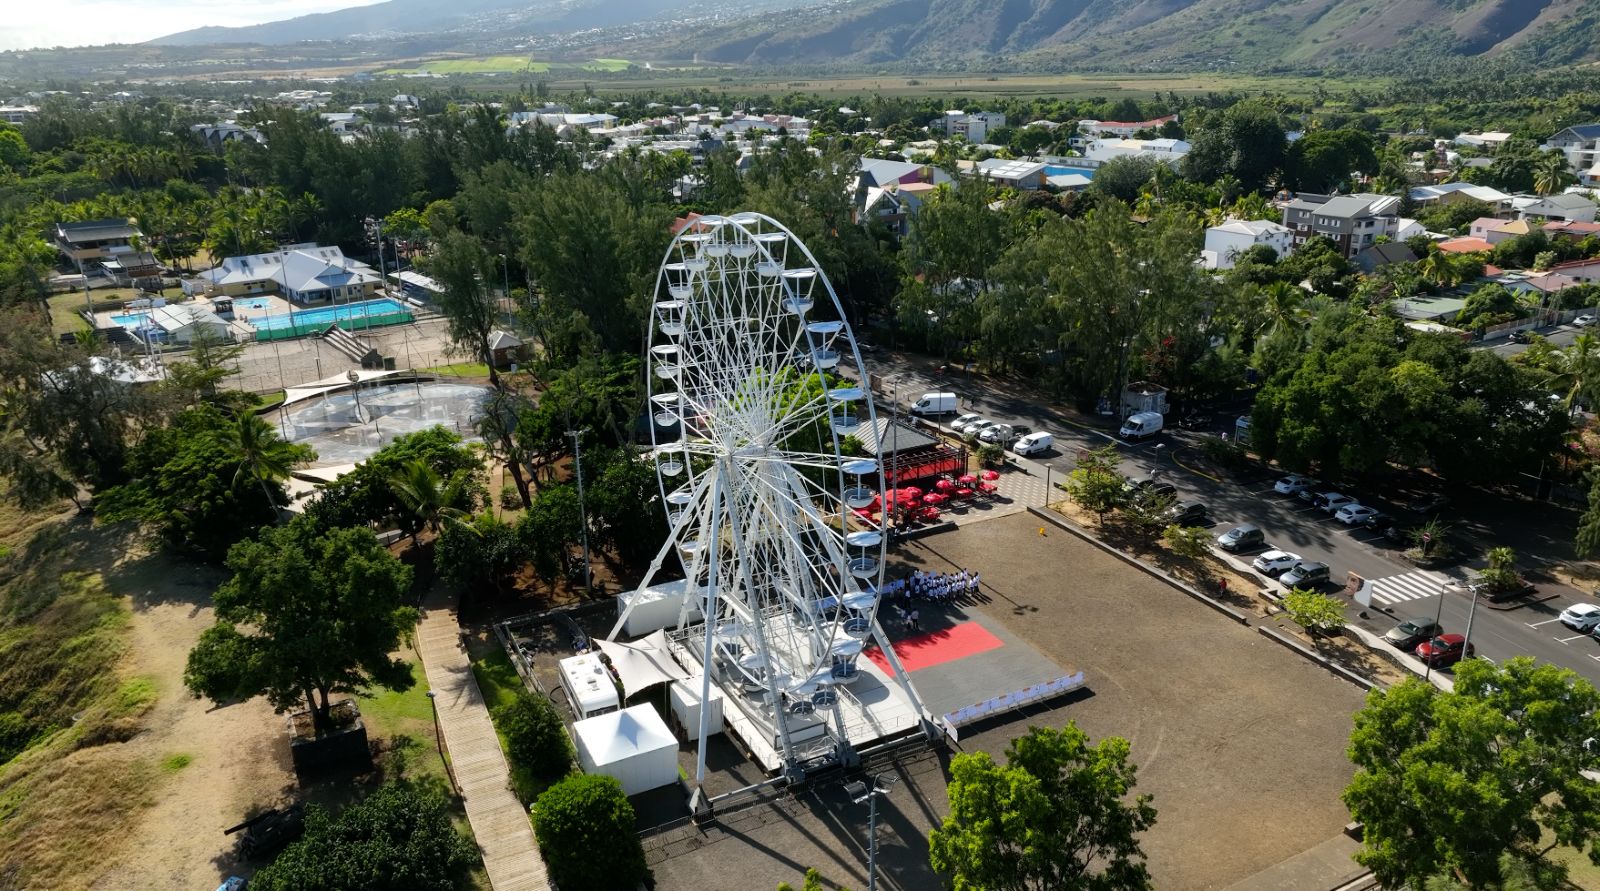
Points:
point(914, 620)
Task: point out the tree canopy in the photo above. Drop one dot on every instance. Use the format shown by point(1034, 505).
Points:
point(1448, 782)
point(579, 816)
point(1056, 816)
point(308, 613)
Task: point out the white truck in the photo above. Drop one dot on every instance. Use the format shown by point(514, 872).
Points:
point(934, 404)
point(1142, 425)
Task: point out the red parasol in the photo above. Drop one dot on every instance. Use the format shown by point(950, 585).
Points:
point(935, 499)
point(991, 474)
point(945, 485)
point(911, 493)
point(928, 513)
point(967, 479)
point(987, 488)
point(963, 492)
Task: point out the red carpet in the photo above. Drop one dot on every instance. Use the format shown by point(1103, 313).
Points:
point(939, 647)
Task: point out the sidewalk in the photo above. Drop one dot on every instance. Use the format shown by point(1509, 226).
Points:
point(499, 822)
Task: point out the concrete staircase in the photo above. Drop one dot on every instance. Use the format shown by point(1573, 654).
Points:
point(352, 347)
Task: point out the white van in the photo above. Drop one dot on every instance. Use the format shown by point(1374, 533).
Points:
point(935, 404)
point(1142, 425)
point(1033, 443)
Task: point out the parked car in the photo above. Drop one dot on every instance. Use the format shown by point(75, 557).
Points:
point(1241, 538)
point(1386, 526)
point(1145, 486)
point(1142, 425)
point(1331, 502)
point(1188, 513)
point(1581, 617)
point(962, 421)
point(975, 431)
point(1307, 575)
point(1275, 562)
point(1584, 320)
point(1293, 484)
point(1354, 514)
point(1522, 336)
point(1446, 649)
point(1004, 433)
point(1034, 443)
point(1407, 634)
point(935, 404)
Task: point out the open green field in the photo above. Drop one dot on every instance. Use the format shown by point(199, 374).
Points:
point(506, 65)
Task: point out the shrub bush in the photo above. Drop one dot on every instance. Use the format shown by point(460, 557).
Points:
point(534, 735)
point(577, 819)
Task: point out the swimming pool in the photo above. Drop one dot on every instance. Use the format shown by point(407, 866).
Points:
point(1086, 172)
point(355, 313)
point(251, 303)
point(132, 319)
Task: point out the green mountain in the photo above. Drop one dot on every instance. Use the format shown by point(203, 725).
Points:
point(1156, 33)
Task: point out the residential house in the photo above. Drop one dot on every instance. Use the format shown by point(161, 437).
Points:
point(1352, 222)
point(1369, 260)
point(1585, 271)
point(1495, 231)
point(881, 190)
point(92, 241)
point(1068, 182)
point(1453, 193)
point(341, 121)
point(1227, 242)
point(1567, 207)
point(1490, 141)
point(1541, 285)
point(1406, 229)
point(306, 274)
point(975, 126)
point(220, 134)
point(1581, 146)
point(1466, 244)
point(1170, 151)
point(1578, 231)
point(505, 349)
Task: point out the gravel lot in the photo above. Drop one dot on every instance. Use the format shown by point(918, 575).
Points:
point(1240, 742)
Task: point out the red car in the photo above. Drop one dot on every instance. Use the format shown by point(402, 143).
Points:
point(1446, 649)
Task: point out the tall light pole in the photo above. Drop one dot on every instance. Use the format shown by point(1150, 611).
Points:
point(583, 530)
point(894, 448)
point(859, 792)
point(1427, 665)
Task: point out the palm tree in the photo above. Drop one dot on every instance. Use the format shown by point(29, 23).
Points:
point(1283, 307)
point(430, 497)
point(1579, 368)
point(1550, 173)
point(1501, 558)
point(262, 456)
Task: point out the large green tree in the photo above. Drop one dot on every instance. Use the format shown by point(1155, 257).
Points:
point(1056, 817)
point(307, 614)
point(1448, 782)
point(1246, 142)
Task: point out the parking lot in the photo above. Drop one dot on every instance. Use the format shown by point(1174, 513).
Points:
point(1214, 710)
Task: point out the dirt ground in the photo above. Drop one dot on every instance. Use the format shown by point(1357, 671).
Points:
point(1240, 741)
point(238, 761)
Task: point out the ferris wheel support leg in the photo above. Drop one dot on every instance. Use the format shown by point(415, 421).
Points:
point(667, 548)
point(713, 584)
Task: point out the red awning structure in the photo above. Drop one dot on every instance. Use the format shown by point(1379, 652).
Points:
point(921, 463)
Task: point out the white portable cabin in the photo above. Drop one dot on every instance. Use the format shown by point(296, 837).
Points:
point(589, 686)
point(657, 607)
point(633, 745)
point(686, 706)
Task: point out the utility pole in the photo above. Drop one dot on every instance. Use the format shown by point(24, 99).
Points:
point(1427, 666)
point(859, 792)
point(583, 531)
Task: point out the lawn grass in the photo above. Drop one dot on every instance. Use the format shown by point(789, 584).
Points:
point(606, 65)
point(64, 318)
point(403, 721)
point(461, 369)
point(479, 65)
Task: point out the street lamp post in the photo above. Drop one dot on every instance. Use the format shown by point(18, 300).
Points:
point(438, 739)
point(859, 792)
point(1427, 665)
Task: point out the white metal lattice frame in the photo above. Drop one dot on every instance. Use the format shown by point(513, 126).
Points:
point(758, 494)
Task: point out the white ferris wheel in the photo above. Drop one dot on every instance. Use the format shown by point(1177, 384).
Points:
point(755, 383)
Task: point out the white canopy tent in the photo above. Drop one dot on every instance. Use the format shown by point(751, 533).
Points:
point(643, 663)
point(633, 745)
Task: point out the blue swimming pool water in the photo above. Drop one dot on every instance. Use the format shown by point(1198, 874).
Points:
point(1062, 171)
point(131, 320)
point(329, 314)
point(251, 303)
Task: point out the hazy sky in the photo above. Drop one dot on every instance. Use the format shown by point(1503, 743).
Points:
point(33, 23)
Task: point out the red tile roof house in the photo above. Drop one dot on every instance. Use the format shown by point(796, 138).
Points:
point(1585, 271)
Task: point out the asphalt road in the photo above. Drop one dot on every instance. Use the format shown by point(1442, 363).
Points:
point(1557, 335)
point(1296, 526)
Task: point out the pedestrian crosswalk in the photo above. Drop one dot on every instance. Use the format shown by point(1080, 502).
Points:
point(1418, 585)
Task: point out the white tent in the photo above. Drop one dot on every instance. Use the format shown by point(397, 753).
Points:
point(657, 606)
point(633, 745)
point(643, 663)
